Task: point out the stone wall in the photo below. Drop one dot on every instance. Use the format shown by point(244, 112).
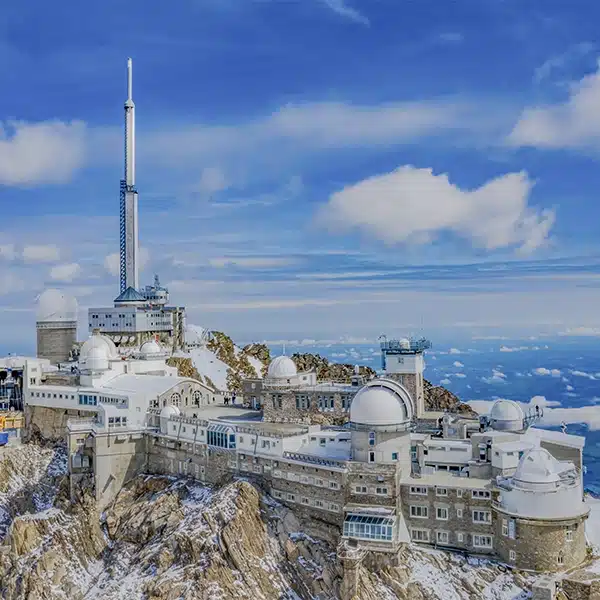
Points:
point(55, 340)
point(538, 543)
point(280, 406)
point(457, 522)
point(49, 424)
point(581, 589)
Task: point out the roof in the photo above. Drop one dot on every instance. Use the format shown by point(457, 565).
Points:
point(556, 437)
point(151, 385)
point(381, 402)
point(130, 295)
point(523, 444)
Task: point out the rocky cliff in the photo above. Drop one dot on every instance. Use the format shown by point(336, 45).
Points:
point(438, 398)
point(170, 539)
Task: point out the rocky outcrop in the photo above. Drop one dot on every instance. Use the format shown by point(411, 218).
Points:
point(170, 539)
point(438, 398)
point(327, 371)
point(185, 368)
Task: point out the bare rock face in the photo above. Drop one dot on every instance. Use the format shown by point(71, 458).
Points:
point(327, 371)
point(185, 368)
point(170, 539)
point(438, 398)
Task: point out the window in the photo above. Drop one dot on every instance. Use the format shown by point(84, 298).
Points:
point(394, 456)
point(322, 441)
point(319, 503)
point(460, 537)
point(420, 535)
point(441, 491)
point(371, 456)
point(369, 527)
point(505, 527)
point(441, 514)
point(569, 535)
point(305, 500)
point(334, 485)
point(334, 507)
point(442, 537)
point(371, 438)
point(290, 497)
point(480, 494)
point(361, 489)
point(459, 513)
point(560, 559)
point(319, 482)
point(418, 490)
point(419, 512)
point(413, 453)
point(512, 555)
point(382, 491)
point(482, 541)
point(482, 516)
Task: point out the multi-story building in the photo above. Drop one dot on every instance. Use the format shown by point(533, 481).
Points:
point(492, 486)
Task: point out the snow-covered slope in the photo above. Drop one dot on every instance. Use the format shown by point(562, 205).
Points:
point(209, 365)
point(168, 539)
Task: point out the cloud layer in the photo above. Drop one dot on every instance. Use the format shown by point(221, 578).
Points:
point(414, 205)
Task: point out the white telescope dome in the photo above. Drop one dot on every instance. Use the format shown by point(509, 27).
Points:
point(381, 403)
point(55, 306)
point(282, 367)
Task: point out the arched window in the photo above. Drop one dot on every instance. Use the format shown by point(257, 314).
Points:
point(175, 399)
point(197, 396)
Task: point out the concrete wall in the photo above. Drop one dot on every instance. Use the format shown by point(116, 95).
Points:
point(55, 340)
point(564, 453)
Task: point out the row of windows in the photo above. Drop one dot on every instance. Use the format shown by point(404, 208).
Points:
point(442, 514)
point(421, 490)
point(363, 489)
point(55, 396)
point(220, 439)
point(445, 538)
point(117, 421)
point(368, 531)
point(307, 479)
point(88, 400)
point(306, 501)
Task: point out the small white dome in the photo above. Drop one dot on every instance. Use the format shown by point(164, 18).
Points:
point(282, 367)
point(54, 305)
point(506, 415)
point(169, 411)
point(97, 359)
point(98, 341)
point(537, 466)
point(380, 403)
point(151, 349)
point(404, 343)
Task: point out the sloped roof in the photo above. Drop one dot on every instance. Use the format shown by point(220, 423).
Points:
point(130, 295)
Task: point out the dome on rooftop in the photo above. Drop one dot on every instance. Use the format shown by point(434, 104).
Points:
point(97, 359)
point(381, 402)
point(506, 415)
point(282, 367)
point(537, 466)
point(55, 305)
point(98, 341)
point(151, 349)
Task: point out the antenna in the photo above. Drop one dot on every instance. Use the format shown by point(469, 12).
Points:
point(283, 348)
point(129, 79)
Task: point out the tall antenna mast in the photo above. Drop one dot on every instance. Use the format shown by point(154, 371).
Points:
point(129, 242)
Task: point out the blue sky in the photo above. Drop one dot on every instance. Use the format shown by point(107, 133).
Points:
point(309, 168)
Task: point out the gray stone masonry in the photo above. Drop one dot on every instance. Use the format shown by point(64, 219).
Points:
point(459, 521)
point(282, 405)
point(373, 477)
point(540, 545)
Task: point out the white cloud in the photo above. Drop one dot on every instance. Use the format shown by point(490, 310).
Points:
point(7, 252)
point(454, 351)
point(544, 371)
point(251, 262)
point(212, 180)
point(515, 348)
point(341, 8)
point(497, 377)
point(458, 364)
point(41, 254)
point(414, 205)
point(460, 375)
point(571, 124)
point(445, 381)
point(66, 272)
point(38, 153)
point(559, 62)
point(582, 374)
point(581, 331)
point(570, 388)
point(112, 262)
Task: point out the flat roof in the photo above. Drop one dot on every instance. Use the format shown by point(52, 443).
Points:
point(556, 437)
point(442, 479)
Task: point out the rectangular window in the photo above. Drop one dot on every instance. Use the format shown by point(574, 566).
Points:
point(569, 535)
point(480, 494)
point(512, 555)
point(442, 537)
point(482, 516)
point(482, 541)
point(420, 535)
point(460, 537)
point(441, 491)
point(382, 491)
point(334, 507)
point(291, 498)
point(305, 500)
point(418, 490)
point(459, 513)
point(413, 453)
point(361, 489)
point(419, 512)
point(505, 527)
point(441, 514)
point(394, 456)
point(334, 485)
point(319, 503)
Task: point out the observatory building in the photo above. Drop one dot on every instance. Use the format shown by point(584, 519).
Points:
point(56, 326)
point(138, 314)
